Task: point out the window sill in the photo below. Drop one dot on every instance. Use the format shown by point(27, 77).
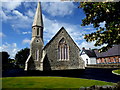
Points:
point(63, 60)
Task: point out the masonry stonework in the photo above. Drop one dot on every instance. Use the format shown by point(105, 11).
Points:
point(74, 62)
point(47, 57)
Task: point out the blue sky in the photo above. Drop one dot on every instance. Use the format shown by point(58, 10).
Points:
point(17, 19)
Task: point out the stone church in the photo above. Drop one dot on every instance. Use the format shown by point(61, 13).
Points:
point(60, 53)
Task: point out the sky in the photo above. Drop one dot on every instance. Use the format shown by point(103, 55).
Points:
point(17, 18)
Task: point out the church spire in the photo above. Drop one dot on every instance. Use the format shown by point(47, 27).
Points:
point(38, 21)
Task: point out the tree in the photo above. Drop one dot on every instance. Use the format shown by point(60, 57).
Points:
point(5, 57)
point(21, 57)
point(98, 12)
point(7, 63)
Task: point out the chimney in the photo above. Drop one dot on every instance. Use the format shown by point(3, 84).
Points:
point(83, 48)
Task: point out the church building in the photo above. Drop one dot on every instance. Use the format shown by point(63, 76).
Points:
point(60, 53)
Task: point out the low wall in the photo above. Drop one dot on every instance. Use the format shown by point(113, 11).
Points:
point(103, 65)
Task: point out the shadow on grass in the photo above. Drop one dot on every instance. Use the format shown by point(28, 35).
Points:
point(89, 73)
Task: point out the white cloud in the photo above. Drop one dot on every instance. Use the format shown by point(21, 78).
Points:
point(30, 13)
point(7, 8)
point(2, 35)
point(26, 41)
point(10, 48)
point(17, 19)
point(20, 17)
point(58, 8)
point(26, 32)
point(75, 31)
point(0, 48)
point(51, 27)
point(88, 45)
point(14, 45)
point(88, 28)
point(11, 4)
point(3, 16)
point(18, 14)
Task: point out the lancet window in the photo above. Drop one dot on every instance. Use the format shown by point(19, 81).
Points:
point(63, 50)
point(38, 31)
point(37, 55)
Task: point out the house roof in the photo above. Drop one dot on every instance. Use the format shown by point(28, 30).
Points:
point(56, 36)
point(114, 51)
point(90, 53)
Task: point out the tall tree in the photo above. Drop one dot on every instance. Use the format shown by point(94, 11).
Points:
point(99, 12)
point(5, 57)
point(21, 57)
point(7, 63)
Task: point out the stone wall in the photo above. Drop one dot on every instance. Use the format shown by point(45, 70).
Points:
point(74, 62)
point(36, 44)
point(114, 65)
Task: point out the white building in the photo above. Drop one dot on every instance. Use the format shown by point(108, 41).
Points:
point(88, 56)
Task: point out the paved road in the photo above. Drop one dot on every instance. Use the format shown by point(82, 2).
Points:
point(96, 74)
point(101, 74)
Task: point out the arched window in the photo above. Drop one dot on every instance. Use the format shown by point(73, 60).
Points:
point(37, 55)
point(63, 50)
point(38, 31)
point(86, 61)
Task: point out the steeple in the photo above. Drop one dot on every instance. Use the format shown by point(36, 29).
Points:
point(38, 21)
point(36, 45)
point(37, 27)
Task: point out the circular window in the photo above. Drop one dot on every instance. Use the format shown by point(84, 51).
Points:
point(37, 41)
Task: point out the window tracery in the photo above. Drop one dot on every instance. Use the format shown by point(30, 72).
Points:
point(63, 50)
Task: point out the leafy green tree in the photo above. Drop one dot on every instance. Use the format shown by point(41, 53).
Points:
point(99, 12)
point(21, 57)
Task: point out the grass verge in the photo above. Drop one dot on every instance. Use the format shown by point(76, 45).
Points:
point(117, 72)
point(49, 82)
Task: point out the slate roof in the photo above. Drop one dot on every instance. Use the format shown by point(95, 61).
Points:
point(114, 51)
point(90, 53)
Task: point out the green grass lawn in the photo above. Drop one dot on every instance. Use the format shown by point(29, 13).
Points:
point(116, 71)
point(49, 82)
